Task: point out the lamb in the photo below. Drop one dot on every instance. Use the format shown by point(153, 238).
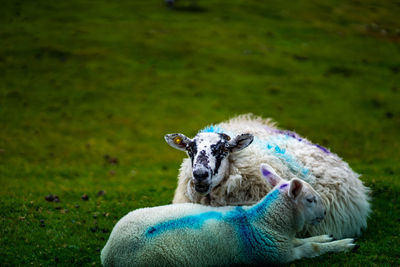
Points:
point(197, 235)
point(222, 169)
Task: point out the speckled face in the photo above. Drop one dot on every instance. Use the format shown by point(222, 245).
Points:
point(208, 152)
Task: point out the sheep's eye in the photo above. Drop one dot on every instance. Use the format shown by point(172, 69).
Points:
point(311, 200)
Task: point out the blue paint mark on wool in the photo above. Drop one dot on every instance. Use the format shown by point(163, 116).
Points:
point(297, 137)
point(272, 145)
point(283, 186)
point(290, 161)
point(195, 221)
point(256, 244)
point(266, 172)
point(288, 133)
point(262, 207)
point(212, 129)
point(250, 237)
point(279, 150)
point(216, 129)
point(322, 148)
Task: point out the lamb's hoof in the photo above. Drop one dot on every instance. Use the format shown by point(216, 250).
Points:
point(325, 238)
point(355, 248)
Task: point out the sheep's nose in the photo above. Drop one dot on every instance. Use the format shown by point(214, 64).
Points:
point(200, 175)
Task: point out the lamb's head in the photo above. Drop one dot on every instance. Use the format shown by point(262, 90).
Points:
point(307, 201)
point(208, 152)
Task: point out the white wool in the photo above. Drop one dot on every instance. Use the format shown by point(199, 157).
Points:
point(197, 235)
point(344, 195)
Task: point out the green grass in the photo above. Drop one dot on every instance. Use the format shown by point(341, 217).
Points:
point(83, 79)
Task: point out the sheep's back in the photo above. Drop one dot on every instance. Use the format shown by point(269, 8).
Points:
point(292, 155)
point(162, 236)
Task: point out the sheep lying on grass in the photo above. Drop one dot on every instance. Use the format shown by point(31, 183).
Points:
point(222, 169)
point(196, 235)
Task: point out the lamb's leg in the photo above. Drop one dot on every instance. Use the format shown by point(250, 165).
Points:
point(318, 239)
point(313, 249)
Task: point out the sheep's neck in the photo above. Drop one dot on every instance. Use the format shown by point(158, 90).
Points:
point(275, 213)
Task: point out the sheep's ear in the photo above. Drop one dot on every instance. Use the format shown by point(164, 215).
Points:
point(240, 142)
point(270, 175)
point(177, 140)
point(295, 187)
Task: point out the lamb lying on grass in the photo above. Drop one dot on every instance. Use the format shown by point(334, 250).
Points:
point(196, 235)
point(223, 169)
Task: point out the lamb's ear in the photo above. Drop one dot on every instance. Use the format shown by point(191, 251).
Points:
point(240, 142)
point(295, 187)
point(270, 175)
point(177, 140)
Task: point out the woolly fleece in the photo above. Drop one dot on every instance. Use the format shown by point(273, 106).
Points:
point(197, 235)
point(344, 196)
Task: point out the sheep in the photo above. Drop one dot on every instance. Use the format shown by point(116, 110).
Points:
point(196, 235)
point(222, 169)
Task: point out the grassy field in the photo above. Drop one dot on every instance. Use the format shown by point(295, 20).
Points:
point(89, 88)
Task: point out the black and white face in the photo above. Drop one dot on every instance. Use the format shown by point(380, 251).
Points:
point(209, 155)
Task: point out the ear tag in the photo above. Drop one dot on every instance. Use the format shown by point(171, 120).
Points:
point(178, 140)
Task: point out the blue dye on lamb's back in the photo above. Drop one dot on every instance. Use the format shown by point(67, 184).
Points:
point(242, 220)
